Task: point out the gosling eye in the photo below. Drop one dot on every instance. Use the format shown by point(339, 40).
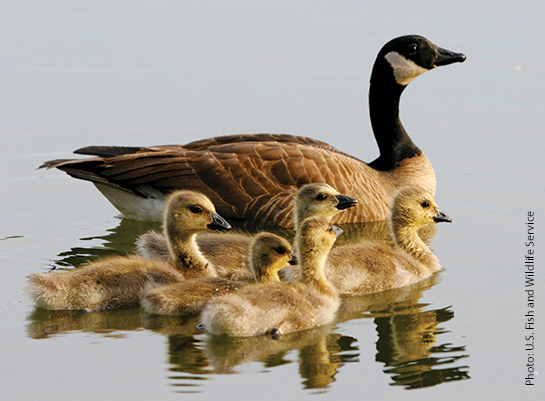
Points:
point(196, 209)
point(425, 204)
point(280, 250)
point(413, 48)
point(321, 197)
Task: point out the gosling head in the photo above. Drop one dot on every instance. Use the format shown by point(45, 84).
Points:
point(268, 254)
point(413, 207)
point(410, 56)
point(319, 200)
point(192, 212)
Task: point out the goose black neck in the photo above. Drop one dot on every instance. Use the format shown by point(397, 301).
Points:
point(394, 143)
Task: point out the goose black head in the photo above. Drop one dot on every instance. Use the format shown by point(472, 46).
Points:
point(412, 55)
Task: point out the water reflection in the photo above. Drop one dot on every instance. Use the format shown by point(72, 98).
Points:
point(408, 345)
point(120, 240)
point(45, 323)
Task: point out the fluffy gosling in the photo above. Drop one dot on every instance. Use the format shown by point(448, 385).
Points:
point(279, 308)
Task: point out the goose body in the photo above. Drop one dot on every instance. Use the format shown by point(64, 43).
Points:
point(279, 308)
point(268, 254)
point(371, 266)
point(120, 282)
point(228, 252)
point(253, 177)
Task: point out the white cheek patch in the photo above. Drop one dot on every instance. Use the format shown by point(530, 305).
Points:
point(404, 70)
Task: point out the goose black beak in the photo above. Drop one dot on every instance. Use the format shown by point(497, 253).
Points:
point(446, 57)
point(441, 217)
point(345, 202)
point(293, 261)
point(218, 223)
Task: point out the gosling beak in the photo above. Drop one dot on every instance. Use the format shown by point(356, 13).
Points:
point(293, 261)
point(345, 202)
point(218, 223)
point(441, 217)
point(446, 57)
point(338, 231)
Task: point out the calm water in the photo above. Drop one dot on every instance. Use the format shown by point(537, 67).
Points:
point(131, 73)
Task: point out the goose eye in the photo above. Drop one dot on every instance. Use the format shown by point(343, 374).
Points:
point(280, 250)
point(321, 197)
point(425, 204)
point(196, 209)
point(413, 48)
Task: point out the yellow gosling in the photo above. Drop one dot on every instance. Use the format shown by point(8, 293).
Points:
point(372, 266)
point(121, 281)
point(279, 308)
point(268, 254)
point(229, 252)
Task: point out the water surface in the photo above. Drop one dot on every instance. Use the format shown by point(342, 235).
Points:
point(136, 73)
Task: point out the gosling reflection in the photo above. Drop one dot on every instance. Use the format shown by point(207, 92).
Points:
point(407, 345)
point(320, 362)
point(321, 353)
point(318, 352)
point(45, 323)
point(408, 335)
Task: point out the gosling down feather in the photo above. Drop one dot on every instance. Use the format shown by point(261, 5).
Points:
point(279, 308)
point(228, 252)
point(253, 177)
point(121, 281)
point(268, 254)
point(372, 266)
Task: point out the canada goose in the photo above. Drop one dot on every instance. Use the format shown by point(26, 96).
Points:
point(120, 281)
point(253, 177)
point(372, 266)
point(279, 308)
point(229, 252)
point(268, 254)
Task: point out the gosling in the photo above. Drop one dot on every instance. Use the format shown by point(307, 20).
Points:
point(279, 308)
point(121, 281)
point(268, 254)
point(373, 266)
point(229, 252)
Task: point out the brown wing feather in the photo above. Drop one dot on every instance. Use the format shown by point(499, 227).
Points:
point(250, 177)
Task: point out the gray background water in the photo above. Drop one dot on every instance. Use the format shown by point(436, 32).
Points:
point(142, 73)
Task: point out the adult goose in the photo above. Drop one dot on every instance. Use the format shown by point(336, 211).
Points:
point(252, 177)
